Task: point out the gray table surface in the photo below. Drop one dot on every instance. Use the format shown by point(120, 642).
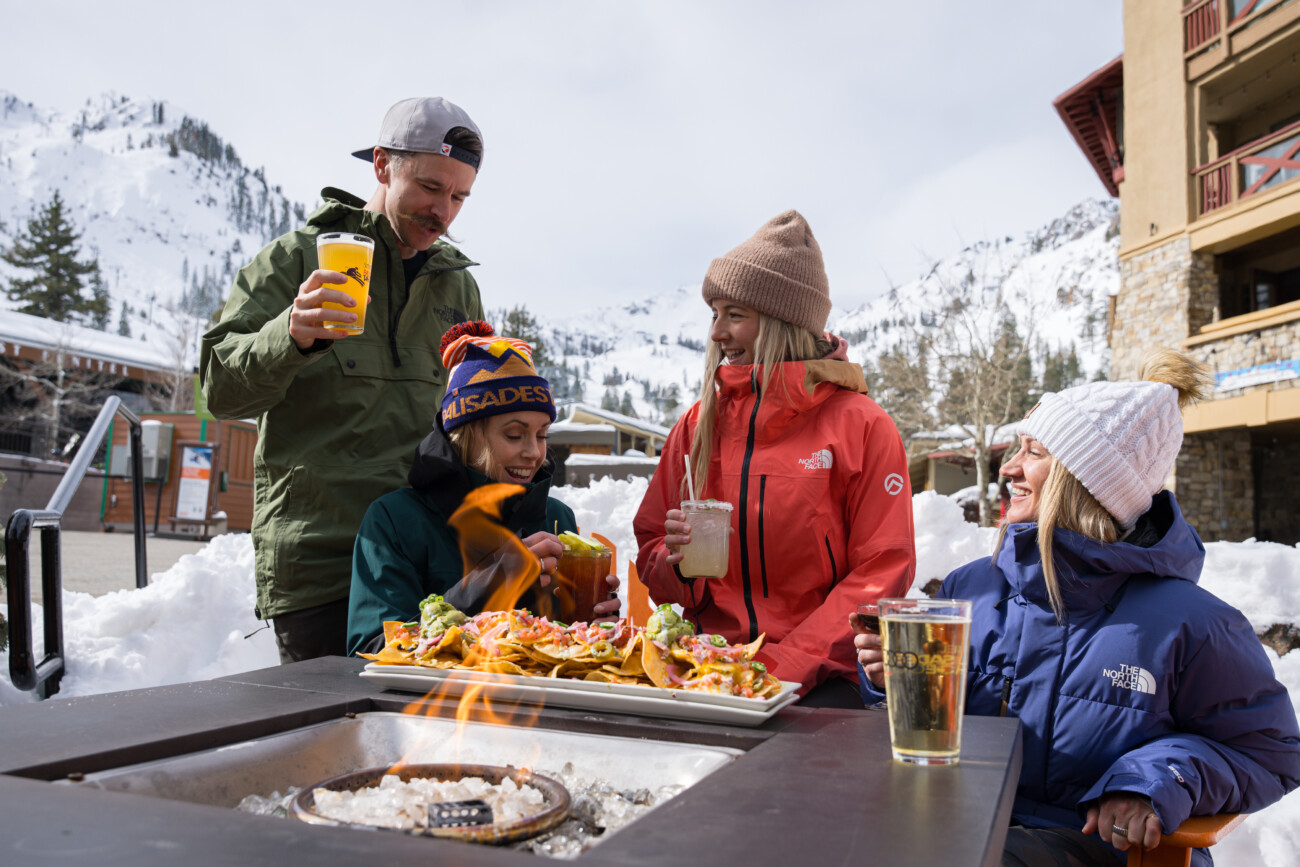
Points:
point(814, 785)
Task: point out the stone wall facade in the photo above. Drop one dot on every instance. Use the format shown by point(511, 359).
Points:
point(1166, 295)
point(1242, 351)
point(1215, 484)
point(1277, 462)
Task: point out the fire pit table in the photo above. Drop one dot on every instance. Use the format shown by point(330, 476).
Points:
point(806, 783)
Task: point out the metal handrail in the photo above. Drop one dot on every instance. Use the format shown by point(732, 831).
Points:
point(44, 676)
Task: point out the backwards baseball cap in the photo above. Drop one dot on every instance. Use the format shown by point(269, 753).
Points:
point(421, 124)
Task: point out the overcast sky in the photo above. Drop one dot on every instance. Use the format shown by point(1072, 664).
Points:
point(629, 143)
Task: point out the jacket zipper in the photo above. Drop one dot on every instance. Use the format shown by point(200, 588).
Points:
point(744, 509)
point(397, 314)
point(835, 575)
point(762, 550)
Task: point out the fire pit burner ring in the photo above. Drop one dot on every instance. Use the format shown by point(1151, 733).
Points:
point(556, 797)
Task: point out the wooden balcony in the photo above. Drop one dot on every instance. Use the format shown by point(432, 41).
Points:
point(1261, 165)
point(1214, 30)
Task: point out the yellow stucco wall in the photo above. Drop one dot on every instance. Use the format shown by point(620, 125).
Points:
point(1156, 115)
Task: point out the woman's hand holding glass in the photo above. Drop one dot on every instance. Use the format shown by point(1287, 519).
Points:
point(676, 534)
point(867, 643)
point(547, 548)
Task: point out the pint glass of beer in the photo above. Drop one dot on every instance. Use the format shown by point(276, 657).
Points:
point(351, 256)
point(706, 555)
point(926, 645)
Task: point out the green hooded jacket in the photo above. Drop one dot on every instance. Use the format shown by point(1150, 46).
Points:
point(406, 550)
point(338, 426)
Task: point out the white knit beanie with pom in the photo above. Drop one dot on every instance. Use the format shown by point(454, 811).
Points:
point(1120, 439)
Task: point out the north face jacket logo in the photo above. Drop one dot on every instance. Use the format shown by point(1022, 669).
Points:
point(1131, 677)
point(819, 461)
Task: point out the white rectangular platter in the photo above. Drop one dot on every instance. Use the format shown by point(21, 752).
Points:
point(585, 694)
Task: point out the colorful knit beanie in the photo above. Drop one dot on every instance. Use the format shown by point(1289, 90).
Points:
point(1119, 439)
point(490, 375)
point(778, 271)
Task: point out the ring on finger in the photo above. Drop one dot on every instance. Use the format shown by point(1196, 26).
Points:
point(1119, 832)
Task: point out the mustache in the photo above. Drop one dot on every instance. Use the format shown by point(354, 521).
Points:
point(430, 224)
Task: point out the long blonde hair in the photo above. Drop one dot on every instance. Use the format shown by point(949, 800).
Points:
point(1067, 505)
point(777, 341)
point(470, 443)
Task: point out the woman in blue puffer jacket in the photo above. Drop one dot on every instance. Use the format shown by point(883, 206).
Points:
point(1143, 698)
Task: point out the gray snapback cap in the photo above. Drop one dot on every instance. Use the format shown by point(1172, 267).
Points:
point(420, 124)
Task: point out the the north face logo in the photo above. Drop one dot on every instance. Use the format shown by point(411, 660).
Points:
point(819, 461)
point(1131, 677)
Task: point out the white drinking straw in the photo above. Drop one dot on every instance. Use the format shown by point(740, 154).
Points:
point(690, 482)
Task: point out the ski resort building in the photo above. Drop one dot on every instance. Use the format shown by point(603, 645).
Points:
point(1196, 129)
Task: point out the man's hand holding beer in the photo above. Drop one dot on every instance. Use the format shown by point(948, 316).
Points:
point(307, 321)
point(867, 642)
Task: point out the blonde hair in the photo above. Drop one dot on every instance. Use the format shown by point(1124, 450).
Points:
point(470, 443)
point(777, 341)
point(1066, 504)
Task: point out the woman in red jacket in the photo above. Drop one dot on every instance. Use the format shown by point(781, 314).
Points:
point(815, 470)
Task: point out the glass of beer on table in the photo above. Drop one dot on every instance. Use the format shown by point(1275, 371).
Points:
point(706, 555)
point(926, 646)
point(350, 255)
point(580, 573)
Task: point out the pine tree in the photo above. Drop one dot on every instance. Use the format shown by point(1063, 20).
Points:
point(123, 321)
point(47, 249)
point(101, 307)
point(522, 325)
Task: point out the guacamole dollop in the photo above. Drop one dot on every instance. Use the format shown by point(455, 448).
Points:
point(666, 626)
point(437, 616)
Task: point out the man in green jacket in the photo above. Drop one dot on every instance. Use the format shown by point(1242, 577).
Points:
point(338, 420)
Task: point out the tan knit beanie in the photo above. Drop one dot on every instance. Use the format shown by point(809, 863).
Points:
point(778, 271)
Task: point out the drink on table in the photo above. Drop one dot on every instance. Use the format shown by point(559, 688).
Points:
point(926, 645)
point(706, 555)
point(580, 577)
point(351, 256)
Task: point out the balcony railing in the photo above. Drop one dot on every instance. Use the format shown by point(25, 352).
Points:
point(1261, 165)
point(1204, 20)
point(1201, 23)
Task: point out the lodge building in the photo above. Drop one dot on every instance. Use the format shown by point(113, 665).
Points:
point(1196, 129)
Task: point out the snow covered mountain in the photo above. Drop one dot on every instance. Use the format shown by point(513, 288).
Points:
point(167, 206)
point(648, 356)
point(171, 212)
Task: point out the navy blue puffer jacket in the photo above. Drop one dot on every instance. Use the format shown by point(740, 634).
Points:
point(1150, 685)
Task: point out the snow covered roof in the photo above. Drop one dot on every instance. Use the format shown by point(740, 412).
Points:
point(618, 419)
point(607, 460)
point(19, 330)
point(579, 427)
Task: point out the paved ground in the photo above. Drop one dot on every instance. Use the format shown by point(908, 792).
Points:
point(99, 563)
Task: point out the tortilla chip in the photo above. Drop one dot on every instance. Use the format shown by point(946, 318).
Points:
point(653, 662)
point(391, 628)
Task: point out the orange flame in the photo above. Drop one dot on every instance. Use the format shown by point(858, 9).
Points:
point(498, 565)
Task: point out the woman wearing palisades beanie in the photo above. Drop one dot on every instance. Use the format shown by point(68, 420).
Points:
point(815, 470)
point(495, 416)
point(1144, 699)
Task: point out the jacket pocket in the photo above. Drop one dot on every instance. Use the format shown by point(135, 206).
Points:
point(375, 360)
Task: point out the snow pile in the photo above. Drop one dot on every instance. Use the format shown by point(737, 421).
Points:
point(190, 623)
point(1260, 578)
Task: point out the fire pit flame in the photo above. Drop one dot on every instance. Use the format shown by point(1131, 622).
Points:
point(496, 562)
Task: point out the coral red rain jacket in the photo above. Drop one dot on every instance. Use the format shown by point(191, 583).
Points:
point(817, 474)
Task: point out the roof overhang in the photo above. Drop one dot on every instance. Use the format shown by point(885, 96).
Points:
point(1091, 112)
